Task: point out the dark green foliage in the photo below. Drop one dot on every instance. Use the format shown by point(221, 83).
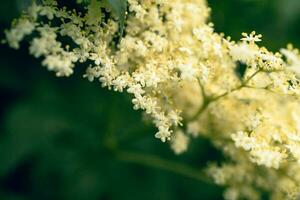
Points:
point(240, 70)
point(119, 7)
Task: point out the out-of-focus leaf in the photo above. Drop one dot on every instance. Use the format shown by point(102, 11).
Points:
point(118, 8)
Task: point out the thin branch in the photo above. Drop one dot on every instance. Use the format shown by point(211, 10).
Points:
point(244, 84)
point(250, 77)
point(202, 89)
point(227, 93)
point(160, 163)
point(208, 100)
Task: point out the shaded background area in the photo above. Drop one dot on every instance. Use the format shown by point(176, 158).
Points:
point(53, 131)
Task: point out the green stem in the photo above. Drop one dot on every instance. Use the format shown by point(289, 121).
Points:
point(202, 89)
point(208, 100)
point(201, 109)
point(160, 163)
point(250, 77)
point(244, 84)
point(227, 93)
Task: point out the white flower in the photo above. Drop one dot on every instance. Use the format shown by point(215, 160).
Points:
point(293, 59)
point(121, 82)
point(241, 139)
point(62, 64)
point(152, 79)
point(22, 28)
point(92, 73)
point(204, 75)
point(219, 174)
point(193, 128)
point(255, 120)
point(268, 157)
point(252, 37)
point(136, 89)
point(185, 50)
point(174, 117)
point(38, 47)
point(231, 194)
point(163, 133)
point(242, 52)
point(293, 136)
point(187, 71)
point(179, 142)
point(47, 11)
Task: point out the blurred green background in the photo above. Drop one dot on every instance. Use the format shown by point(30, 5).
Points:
point(54, 132)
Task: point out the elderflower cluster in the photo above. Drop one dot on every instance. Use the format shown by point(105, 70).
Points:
point(190, 80)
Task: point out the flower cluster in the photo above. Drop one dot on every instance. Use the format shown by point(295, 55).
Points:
point(188, 79)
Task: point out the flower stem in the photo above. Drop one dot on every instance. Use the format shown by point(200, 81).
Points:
point(208, 100)
point(160, 163)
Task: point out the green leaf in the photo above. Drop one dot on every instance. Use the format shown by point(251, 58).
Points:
point(118, 8)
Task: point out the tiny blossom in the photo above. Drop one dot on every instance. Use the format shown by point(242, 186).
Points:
point(293, 59)
point(231, 194)
point(140, 78)
point(187, 71)
point(163, 133)
point(219, 174)
point(242, 139)
point(193, 128)
point(242, 52)
point(268, 157)
point(276, 136)
point(22, 28)
point(179, 142)
point(121, 82)
point(252, 37)
point(150, 105)
point(92, 73)
point(255, 120)
point(175, 118)
point(138, 103)
point(185, 50)
point(61, 64)
point(152, 79)
point(136, 89)
point(294, 136)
